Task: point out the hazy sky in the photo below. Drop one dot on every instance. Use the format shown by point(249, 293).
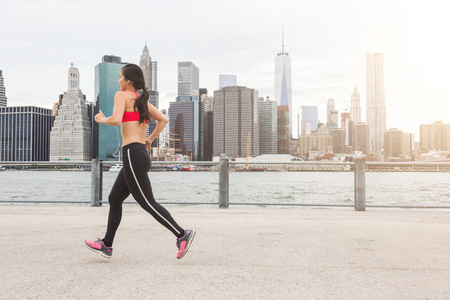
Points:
point(327, 42)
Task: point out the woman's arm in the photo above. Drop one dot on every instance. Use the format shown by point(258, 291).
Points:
point(119, 108)
point(162, 122)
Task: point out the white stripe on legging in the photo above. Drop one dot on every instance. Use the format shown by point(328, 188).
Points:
point(132, 171)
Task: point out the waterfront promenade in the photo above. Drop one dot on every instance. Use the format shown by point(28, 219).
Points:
point(238, 253)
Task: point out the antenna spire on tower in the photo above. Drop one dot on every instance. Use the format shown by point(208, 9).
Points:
point(282, 53)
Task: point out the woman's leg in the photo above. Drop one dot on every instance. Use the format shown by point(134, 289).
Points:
point(119, 193)
point(137, 164)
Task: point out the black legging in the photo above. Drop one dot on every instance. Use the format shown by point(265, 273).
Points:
point(134, 178)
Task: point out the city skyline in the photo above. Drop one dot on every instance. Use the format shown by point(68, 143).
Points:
point(328, 51)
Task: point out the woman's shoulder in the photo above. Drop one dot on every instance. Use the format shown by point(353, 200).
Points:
point(125, 95)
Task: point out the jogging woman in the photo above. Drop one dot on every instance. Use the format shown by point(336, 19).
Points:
point(133, 111)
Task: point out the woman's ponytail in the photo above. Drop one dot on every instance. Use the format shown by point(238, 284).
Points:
point(141, 104)
point(134, 74)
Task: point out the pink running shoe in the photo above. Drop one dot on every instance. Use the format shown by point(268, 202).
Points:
point(99, 247)
point(184, 243)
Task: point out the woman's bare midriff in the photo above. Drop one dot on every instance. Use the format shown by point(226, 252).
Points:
point(133, 132)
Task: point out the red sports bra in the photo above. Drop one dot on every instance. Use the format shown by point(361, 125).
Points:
point(129, 116)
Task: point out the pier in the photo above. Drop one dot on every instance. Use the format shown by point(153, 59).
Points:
point(238, 253)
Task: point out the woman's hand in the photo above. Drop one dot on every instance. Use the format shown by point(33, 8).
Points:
point(148, 143)
point(100, 117)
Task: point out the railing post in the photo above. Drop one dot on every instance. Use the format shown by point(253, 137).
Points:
point(223, 181)
point(360, 185)
point(100, 194)
point(96, 182)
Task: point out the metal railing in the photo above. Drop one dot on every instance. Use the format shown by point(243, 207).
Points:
point(405, 181)
point(170, 184)
point(291, 169)
point(35, 188)
point(322, 184)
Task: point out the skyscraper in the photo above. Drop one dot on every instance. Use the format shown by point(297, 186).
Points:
point(375, 102)
point(394, 142)
point(206, 124)
point(235, 118)
point(355, 108)
point(283, 129)
point(3, 100)
point(188, 91)
point(154, 98)
point(283, 82)
point(409, 144)
point(208, 136)
point(338, 136)
point(267, 126)
point(107, 138)
point(70, 137)
point(332, 116)
point(208, 102)
point(188, 80)
point(154, 75)
point(146, 65)
point(347, 125)
point(361, 134)
point(202, 92)
point(25, 133)
point(309, 114)
point(226, 80)
point(188, 137)
point(435, 136)
point(181, 125)
point(330, 108)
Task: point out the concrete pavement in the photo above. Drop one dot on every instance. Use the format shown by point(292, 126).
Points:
point(238, 253)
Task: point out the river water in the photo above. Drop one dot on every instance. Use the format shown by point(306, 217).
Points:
point(382, 188)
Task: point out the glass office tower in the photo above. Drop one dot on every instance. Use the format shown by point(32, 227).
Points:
point(107, 139)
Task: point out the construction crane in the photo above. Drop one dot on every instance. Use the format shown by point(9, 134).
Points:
point(167, 139)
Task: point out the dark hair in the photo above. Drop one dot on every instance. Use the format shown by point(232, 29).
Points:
point(134, 74)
